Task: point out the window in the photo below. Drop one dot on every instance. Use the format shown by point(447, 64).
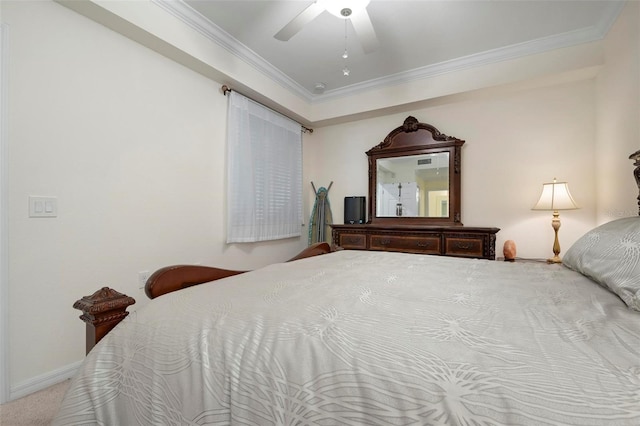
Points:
point(264, 189)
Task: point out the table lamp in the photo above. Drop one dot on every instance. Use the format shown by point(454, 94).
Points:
point(555, 196)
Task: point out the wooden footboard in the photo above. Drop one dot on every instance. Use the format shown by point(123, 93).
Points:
point(172, 278)
point(104, 309)
point(177, 277)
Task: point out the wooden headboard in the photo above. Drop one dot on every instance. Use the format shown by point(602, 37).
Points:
point(636, 157)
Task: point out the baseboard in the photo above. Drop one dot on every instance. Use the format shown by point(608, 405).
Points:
point(43, 381)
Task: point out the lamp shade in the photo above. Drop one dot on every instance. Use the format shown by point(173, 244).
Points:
point(555, 196)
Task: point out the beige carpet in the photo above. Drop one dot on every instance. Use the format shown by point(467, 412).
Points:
point(35, 409)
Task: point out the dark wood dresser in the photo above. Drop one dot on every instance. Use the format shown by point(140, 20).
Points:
point(459, 241)
point(415, 198)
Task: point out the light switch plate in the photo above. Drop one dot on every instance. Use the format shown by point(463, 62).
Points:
point(43, 206)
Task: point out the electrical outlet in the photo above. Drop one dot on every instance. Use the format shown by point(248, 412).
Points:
point(143, 276)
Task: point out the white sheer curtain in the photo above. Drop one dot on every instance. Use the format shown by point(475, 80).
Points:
point(264, 189)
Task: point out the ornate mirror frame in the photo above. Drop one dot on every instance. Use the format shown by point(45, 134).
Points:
point(415, 138)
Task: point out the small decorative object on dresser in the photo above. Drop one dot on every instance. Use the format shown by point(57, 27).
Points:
point(415, 199)
point(509, 251)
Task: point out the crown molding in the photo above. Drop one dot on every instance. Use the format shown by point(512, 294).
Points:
point(198, 22)
point(463, 63)
point(532, 47)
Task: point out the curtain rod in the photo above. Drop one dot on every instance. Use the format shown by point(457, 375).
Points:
point(226, 89)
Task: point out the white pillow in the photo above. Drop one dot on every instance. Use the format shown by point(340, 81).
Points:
point(610, 255)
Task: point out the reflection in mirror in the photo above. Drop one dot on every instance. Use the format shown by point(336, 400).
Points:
point(413, 186)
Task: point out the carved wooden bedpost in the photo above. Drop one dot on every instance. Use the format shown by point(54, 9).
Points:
point(102, 311)
point(636, 157)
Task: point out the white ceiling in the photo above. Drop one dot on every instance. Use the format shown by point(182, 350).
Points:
point(416, 38)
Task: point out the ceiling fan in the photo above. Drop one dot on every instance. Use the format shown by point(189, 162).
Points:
point(354, 10)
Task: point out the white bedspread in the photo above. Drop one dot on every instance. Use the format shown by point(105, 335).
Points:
point(370, 338)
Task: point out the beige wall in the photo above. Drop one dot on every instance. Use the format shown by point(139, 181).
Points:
point(132, 144)
point(618, 117)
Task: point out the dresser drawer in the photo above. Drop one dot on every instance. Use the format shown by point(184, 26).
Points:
point(422, 244)
point(471, 246)
point(352, 241)
point(456, 241)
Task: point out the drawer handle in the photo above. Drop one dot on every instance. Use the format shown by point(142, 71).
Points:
point(422, 245)
point(352, 240)
point(385, 241)
point(463, 246)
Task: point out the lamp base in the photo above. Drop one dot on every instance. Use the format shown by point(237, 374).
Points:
point(555, 223)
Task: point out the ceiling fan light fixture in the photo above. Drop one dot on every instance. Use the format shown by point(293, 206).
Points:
point(319, 88)
point(343, 8)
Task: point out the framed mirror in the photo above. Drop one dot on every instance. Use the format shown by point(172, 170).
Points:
point(413, 185)
point(414, 177)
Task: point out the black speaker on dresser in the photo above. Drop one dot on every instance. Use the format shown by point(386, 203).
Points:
point(355, 210)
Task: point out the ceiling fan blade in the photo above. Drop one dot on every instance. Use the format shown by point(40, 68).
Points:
point(364, 28)
point(297, 23)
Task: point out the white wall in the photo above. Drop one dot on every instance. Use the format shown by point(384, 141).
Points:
point(515, 141)
point(618, 117)
point(132, 144)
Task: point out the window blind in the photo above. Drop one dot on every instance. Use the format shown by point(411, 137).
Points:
point(264, 181)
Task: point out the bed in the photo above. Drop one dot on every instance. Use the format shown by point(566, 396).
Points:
point(361, 337)
point(382, 338)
